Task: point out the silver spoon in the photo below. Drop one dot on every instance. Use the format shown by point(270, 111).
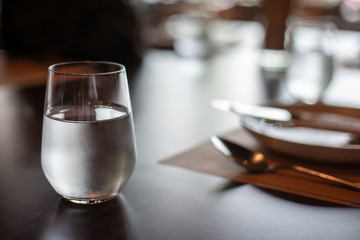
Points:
point(256, 162)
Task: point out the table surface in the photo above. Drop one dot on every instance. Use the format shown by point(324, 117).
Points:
point(170, 98)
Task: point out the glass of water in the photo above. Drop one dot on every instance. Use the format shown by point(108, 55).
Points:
point(88, 144)
point(311, 47)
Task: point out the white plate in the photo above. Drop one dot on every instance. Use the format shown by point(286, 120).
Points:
point(308, 143)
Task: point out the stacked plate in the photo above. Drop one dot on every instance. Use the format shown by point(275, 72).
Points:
point(305, 142)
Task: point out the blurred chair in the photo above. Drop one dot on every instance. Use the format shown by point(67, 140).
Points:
point(71, 30)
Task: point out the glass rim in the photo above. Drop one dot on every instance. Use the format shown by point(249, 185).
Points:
point(53, 66)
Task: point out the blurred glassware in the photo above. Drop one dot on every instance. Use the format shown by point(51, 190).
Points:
point(273, 64)
point(350, 10)
point(311, 48)
point(188, 28)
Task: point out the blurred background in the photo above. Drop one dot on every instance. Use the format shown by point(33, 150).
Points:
point(94, 28)
point(280, 32)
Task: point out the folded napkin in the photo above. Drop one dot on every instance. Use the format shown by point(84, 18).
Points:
point(205, 158)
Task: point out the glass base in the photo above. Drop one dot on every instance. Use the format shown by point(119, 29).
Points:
point(89, 201)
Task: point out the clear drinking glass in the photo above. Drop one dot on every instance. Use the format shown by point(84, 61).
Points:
point(88, 144)
point(311, 48)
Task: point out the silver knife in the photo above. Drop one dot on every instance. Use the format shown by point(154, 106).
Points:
point(283, 117)
point(267, 113)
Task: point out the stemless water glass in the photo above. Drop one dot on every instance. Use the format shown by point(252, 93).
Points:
point(88, 144)
point(311, 47)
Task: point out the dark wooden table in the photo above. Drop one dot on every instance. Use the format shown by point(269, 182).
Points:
point(170, 99)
